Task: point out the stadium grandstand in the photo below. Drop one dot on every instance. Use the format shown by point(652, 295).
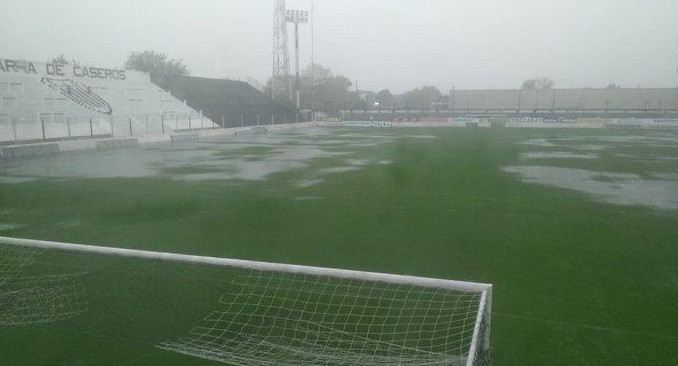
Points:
point(552, 104)
point(46, 101)
point(43, 101)
point(229, 103)
point(631, 101)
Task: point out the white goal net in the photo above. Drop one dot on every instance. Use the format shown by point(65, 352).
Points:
point(277, 314)
point(37, 299)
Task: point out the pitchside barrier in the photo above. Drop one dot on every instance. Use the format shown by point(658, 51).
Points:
point(368, 124)
point(524, 122)
point(237, 312)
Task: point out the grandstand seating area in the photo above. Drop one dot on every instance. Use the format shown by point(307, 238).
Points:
point(547, 104)
point(40, 101)
point(227, 102)
point(626, 100)
point(43, 102)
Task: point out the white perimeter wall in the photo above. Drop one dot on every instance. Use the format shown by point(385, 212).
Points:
point(567, 99)
point(27, 101)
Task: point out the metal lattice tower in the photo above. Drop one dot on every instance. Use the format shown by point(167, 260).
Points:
point(281, 57)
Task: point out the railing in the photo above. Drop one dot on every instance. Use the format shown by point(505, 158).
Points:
point(49, 128)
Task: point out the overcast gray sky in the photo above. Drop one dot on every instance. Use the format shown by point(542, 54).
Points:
point(396, 44)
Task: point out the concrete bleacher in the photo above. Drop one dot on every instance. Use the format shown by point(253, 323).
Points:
point(229, 103)
point(42, 102)
point(658, 100)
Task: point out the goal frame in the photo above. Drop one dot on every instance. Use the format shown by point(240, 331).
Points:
point(482, 321)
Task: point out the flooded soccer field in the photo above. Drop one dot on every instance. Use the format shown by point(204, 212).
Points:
point(576, 229)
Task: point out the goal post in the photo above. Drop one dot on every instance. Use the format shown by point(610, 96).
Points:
point(267, 313)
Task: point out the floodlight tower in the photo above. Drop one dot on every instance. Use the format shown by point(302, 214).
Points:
point(281, 58)
point(296, 17)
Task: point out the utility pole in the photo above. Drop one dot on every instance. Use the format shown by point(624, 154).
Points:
point(296, 60)
point(281, 58)
point(313, 60)
point(296, 17)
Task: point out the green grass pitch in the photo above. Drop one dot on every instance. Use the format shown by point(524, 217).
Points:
point(576, 229)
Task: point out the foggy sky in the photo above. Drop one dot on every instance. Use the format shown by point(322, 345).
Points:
point(395, 44)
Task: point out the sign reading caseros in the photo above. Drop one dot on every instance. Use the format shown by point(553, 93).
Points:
point(50, 69)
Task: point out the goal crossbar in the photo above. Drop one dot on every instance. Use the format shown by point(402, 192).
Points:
point(462, 286)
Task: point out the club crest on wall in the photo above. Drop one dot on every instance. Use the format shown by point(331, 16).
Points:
point(79, 94)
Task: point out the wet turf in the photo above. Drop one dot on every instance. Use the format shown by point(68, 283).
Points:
point(580, 278)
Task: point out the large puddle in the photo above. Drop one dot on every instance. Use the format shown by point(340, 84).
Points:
point(616, 188)
point(558, 155)
point(602, 142)
point(241, 157)
point(656, 189)
point(256, 157)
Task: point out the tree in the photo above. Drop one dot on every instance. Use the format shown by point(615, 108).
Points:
point(319, 89)
point(327, 92)
point(421, 98)
point(156, 63)
point(367, 98)
point(431, 94)
point(385, 99)
point(538, 84)
point(412, 99)
point(62, 60)
point(281, 91)
point(355, 100)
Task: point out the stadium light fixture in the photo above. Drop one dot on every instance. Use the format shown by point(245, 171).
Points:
point(296, 16)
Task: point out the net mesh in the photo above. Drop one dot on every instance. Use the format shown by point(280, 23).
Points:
point(12, 259)
point(253, 317)
point(36, 299)
point(301, 319)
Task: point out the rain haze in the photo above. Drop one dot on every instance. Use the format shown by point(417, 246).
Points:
point(339, 182)
point(395, 44)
